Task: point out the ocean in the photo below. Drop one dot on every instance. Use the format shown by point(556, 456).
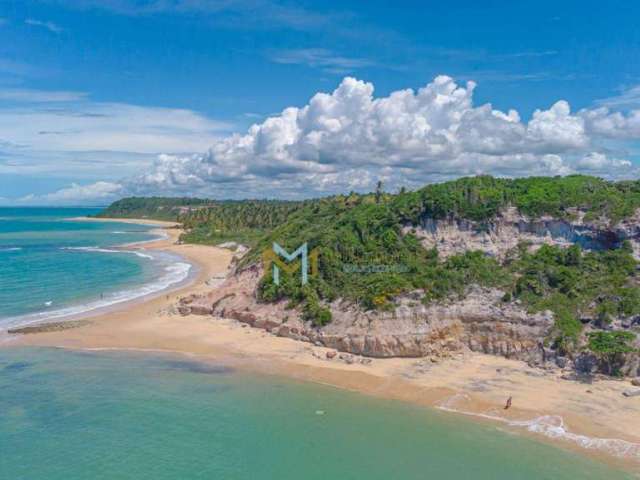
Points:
point(120, 415)
point(52, 267)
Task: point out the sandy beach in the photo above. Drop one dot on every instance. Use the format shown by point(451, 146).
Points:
point(590, 417)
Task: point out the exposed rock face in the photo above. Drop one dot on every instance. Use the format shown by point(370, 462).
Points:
point(415, 330)
point(238, 249)
point(480, 322)
point(504, 233)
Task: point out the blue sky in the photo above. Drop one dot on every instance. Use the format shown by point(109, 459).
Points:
point(92, 92)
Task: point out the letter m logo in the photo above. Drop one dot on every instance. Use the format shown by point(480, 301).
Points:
point(271, 259)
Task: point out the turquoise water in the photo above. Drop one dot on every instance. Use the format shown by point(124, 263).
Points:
point(113, 415)
point(51, 266)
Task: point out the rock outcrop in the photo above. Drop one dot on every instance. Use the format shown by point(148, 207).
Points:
point(500, 235)
point(480, 322)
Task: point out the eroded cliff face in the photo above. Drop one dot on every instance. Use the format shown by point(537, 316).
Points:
point(480, 322)
point(510, 228)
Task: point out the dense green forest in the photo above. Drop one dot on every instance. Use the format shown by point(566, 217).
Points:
point(481, 198)
point(157, 208)
point(478, 198)
point(208, 221)
point(365, 256)
point(243, 221)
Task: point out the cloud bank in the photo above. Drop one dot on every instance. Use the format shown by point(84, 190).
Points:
point(349, 139)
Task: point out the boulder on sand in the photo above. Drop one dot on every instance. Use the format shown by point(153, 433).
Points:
point(631, 393)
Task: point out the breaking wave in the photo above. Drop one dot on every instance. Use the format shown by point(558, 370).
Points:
point(109, 250)
point(172, 274)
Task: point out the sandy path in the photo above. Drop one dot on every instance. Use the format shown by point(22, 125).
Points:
point(473, 383)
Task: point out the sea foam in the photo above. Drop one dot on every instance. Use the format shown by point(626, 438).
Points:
point(109, 250)
point(551, 426)
point(174, 273)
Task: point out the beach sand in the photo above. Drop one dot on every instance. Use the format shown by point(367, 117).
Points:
point(473, 383)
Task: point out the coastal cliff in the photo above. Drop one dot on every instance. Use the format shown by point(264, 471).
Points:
point(542, 269)
point(481, 321)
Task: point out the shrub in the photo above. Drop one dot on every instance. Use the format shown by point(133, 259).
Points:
point(610, 348)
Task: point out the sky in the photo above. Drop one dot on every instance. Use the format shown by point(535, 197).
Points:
point(101, 99)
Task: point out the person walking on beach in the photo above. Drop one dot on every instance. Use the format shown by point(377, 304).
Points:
point(508, 404)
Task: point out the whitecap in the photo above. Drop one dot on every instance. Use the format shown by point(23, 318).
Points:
point(109, 250)
point(10, 249)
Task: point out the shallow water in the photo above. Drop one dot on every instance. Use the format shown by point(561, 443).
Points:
point(51, 266)
point(68, 415)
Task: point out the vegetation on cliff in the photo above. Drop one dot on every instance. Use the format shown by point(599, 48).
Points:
point(481, 198)
point(594, 287)
point(367, 256)
point(610, 347)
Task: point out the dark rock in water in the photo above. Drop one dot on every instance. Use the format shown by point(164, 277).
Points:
point(197, 367)
point(17, 366)
point(561, 362)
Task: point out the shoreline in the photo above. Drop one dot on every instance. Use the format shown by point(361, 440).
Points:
point(591, 419)
point(167, 233)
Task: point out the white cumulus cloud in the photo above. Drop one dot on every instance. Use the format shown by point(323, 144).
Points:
point(348, 139)
point(77, 194)
point(606, 123)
